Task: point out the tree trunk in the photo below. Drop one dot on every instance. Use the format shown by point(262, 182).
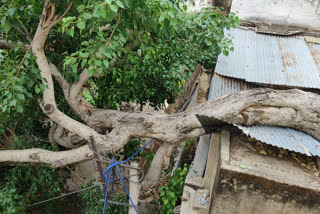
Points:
point(288, 108)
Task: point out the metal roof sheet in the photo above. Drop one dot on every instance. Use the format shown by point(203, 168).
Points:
point(270, 59)
point(221, 85)
point(286, 138)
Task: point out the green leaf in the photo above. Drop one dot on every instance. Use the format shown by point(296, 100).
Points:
point(84, 55)
point(185, 7)
point(19, 108)
point(98, 62)
point(6, 27)
point(114, 8)
point(106, 63)
point(225, 52)
point(139, 52)
point(4, 108)
point(109, 55)
point(102, 49)
point(71, 31)
point(91, 72)
point(11, 11)
point(37, 90)
point(119, 3)
point(13, 102)
point(85, 43)
point(20, 96)
point(87, 16)
point(109, 1)
point(81, 25)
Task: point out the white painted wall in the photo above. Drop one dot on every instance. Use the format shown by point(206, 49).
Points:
point(301, 13)
point(198, 5)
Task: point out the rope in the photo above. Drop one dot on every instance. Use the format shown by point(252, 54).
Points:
point(113, 164)
point(188, 100)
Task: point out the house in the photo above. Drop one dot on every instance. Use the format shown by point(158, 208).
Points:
point(262, 169)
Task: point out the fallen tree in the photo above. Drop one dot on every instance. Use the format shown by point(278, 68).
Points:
point(112, 129)
point(288, 108)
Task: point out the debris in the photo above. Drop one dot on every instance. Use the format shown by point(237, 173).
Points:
point(269, 150)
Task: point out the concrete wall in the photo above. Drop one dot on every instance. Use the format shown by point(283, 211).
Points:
point(236, 194)
point(280, 16)
point(250, 183)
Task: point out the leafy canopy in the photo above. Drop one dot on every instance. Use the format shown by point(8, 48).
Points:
point(142, 49)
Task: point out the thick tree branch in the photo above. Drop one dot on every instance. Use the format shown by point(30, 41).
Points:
point(114, 141)
point(48, 104)
point(65, 86)
point(75, 90)
point(291, 108)
point(6, 44)
point(56, 159)
point(161, 160)
point(72, 93)
point(63, 137)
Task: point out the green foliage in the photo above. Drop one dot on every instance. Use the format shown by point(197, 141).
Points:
point(19, 85)
point(171, 192)
point(143, 49)
point(148, 156)
point(189, 151)
point(91, 198)
point(24, 184)
point(131, 147)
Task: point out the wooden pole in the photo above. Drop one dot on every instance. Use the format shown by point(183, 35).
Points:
point(134, 186)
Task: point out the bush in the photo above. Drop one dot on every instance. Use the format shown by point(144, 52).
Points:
point(171, 192)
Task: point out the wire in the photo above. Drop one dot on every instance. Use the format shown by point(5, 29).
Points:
point(115, 164)
point(64, 195)
point(112, 172)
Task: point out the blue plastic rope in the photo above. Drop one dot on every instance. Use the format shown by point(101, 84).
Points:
point(188, 100)
point(110, 170)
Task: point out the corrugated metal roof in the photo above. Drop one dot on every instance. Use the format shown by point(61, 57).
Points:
point(286, 138)
point(221, 85)
point(267, 59)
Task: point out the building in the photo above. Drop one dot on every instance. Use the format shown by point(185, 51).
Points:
point(262, 169)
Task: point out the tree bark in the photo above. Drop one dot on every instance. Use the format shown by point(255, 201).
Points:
point(161, 160)
point(288, 108)
point(6, 44)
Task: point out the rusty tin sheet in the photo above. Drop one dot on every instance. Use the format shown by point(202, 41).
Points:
point(269, 59)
